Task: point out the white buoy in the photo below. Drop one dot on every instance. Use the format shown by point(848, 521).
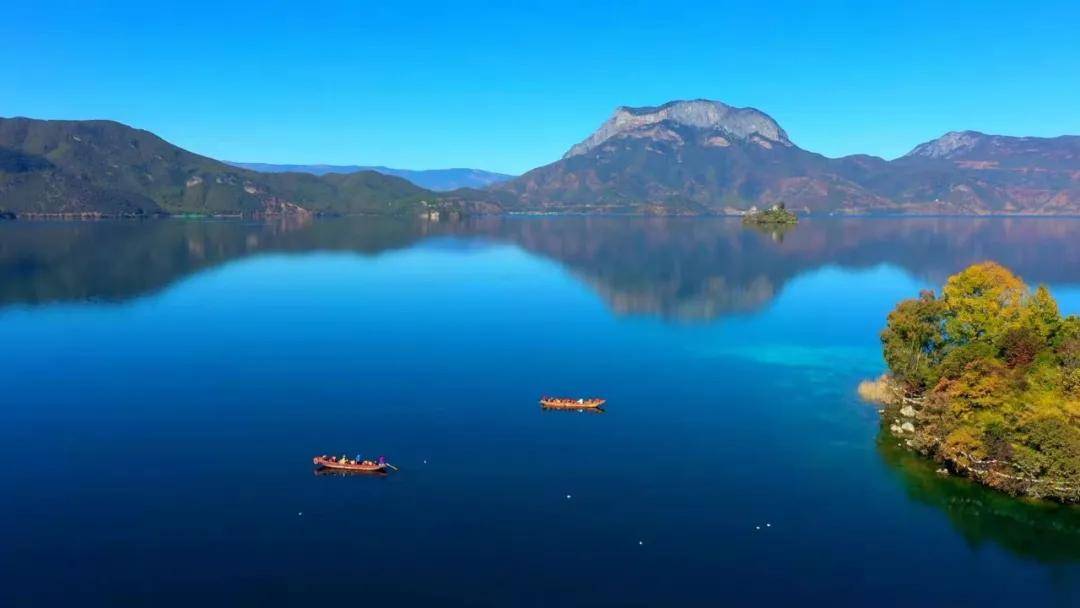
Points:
point(768, 525)
point(641, 542)
point(300, 513)
point(567, 497)
point(757, 527)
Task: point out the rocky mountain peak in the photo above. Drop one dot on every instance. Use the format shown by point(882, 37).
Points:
point(950, 144)
point(735, 123)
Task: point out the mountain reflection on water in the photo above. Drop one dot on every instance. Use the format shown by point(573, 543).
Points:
point(674, 268)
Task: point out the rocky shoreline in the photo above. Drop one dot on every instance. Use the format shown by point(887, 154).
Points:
point(907, 419)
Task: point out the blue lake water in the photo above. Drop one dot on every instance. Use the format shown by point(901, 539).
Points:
point(166, 384)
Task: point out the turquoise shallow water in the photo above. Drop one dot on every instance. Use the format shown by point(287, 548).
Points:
point(166, 384)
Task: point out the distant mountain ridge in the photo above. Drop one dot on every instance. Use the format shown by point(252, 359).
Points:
point(972, 146)
point(439, 180)
point(706, 157)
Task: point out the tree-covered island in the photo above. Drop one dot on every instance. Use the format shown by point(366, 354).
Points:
point(777, 215)
point(986, 380)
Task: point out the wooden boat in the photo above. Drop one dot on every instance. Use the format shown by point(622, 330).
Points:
point(346, 464)
point(564, 403)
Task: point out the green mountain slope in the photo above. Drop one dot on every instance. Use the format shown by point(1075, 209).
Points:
point(107, 168)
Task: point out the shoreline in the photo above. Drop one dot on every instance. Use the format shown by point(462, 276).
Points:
point(95, 216)
point(903, 417)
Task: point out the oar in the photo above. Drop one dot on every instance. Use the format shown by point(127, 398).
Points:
point(391, 466)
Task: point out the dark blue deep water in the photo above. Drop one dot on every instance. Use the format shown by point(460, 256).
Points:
point(166, 383)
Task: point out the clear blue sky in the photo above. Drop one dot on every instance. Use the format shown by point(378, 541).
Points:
point(509, 86)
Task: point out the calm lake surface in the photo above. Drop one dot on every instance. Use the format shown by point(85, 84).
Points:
point(166, 384)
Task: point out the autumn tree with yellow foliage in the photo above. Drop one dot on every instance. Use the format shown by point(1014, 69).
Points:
point(989, 378)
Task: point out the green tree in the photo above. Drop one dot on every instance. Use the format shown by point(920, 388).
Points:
point(1067, 343)
point(982, 302)
point(1042, 314)
point(913, 339)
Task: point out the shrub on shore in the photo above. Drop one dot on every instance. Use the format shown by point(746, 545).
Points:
point(880, 390)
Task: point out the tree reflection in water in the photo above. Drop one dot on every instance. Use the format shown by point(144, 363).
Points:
point(1044, 531)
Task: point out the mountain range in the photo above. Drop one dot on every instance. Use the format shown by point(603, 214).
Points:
point(437, 180)
point(696, 157)
point(705, 157)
